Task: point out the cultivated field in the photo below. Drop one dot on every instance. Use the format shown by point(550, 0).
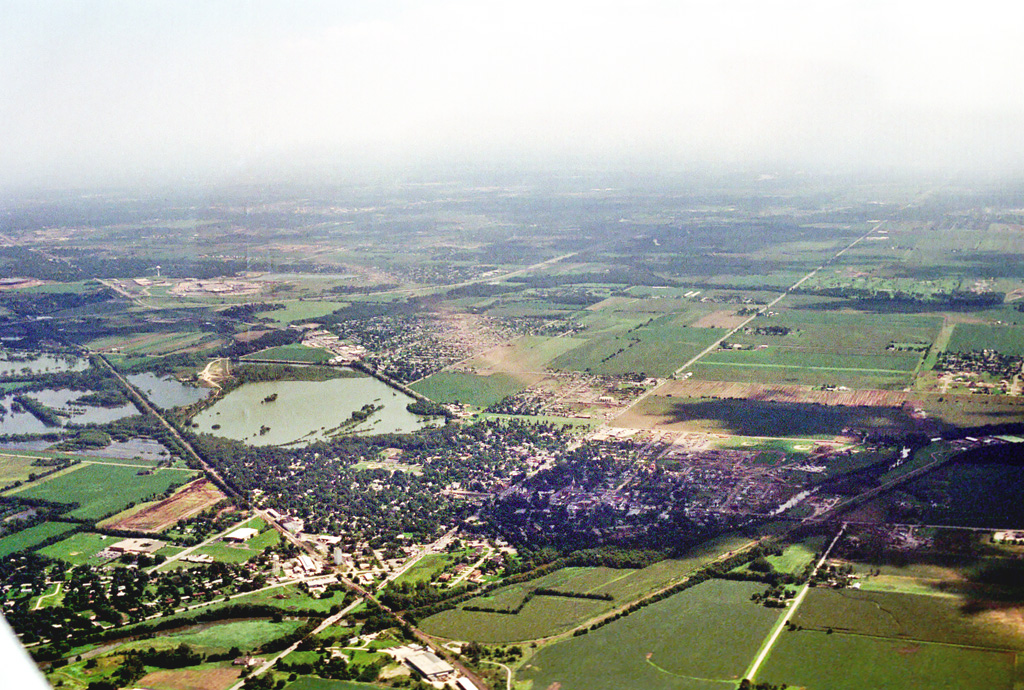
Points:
point(700, 638)
point(186, 501)
point(27, 538)
point(89, 486)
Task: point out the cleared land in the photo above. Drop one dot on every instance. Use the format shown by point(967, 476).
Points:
point(203, 677)
point(188, 500)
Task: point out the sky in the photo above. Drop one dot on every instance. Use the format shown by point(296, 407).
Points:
point(103, 93)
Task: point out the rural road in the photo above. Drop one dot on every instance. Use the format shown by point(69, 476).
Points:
point(790, 611)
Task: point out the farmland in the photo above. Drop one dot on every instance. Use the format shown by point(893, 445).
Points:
point(88, 487)
point(158, 516)
point(696, 639)
point(27, 538)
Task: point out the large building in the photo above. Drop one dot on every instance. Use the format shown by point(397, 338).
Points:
point(430, 666)
point(242, 534)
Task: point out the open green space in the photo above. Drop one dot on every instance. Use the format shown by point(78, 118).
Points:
point(703, 637)
point(313, 683)
point(293, 353)
point(904, 616)
point(855, 662)
point(967, 337)
point(425, 569)
point(220, 637)
point(27, 538)
point(302, 310)
point(79, 548)
point(17, 468)
point(469, 389)
point(89, 486)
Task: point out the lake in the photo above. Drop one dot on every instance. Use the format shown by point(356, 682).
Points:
point(11, 363)
point(305, 411)
point(167, 391)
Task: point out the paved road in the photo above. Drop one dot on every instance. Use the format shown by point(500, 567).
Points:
point(781, 624)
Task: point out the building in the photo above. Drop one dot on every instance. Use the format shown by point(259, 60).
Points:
point(464, 683)
point(293, 525)
point(429, 665)
point(242, 534)
point(137, 546)
point(307, 565)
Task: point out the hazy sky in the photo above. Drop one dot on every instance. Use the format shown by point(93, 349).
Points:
point(104, 92)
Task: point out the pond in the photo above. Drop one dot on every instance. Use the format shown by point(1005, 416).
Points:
point(63, 401)
point(23, 422)
point(167, 391)
point(307, 411)
point(13, 363)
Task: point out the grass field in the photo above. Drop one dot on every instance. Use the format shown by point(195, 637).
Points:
point(915, 617)
point(425, 569)
point(1008, 340)
point(853, 662)
point(293, 353)
point(27, 538)
point(313, 683)
point(80, 548)
point(302, 311)
point(469, 389)
point(704, 637)
point(543, 616)
point(16, 468)
point(90, 486)
point(220, 637)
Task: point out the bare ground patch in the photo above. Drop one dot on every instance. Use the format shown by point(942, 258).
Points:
point(187, 501)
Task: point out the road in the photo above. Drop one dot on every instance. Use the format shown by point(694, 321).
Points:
point(508, 671)
point(178, 556)
point(714, 346)
point(790, 611)
point(39, 601)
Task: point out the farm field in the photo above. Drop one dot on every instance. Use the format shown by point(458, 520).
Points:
point(915, 617)
point(27, 538)
point(544, 615)
point(757, 418)
point(469, 389)
point(698, 639)
point(202, 677)
point(854, 662)
point(302, 311)
point(89, 486)
point(156, 517)
point(293, 353)
point(968, 337)
point(529, 353)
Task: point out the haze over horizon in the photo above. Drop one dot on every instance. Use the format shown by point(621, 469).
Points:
point(108, 93)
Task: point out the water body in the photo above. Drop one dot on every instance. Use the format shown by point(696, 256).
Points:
point(39, 363)
point(63, 400)
point(132, 448)
point(167, 391)
point(305, 411)
point(19, 422)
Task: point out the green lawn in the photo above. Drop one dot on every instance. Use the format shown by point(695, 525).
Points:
point(220, 637)
point(704, 637)
point(27, 538)
point(102, 490)
point(854, 662)
point(79, 548)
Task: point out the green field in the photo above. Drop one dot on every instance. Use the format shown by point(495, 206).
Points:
point(656, 349)
point(246, 635)
point(543, 615)
point(854, 662)
point(313, 683)
point(79, 548)
point(528, 353)
point(425, 569)
point(916, 617)
point(293, 353)
point(469, 389)
point(27, 538)
point(302, 311)
point(16, 468)
point(102, 490)
point(704, 637)
point(1007, 340)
